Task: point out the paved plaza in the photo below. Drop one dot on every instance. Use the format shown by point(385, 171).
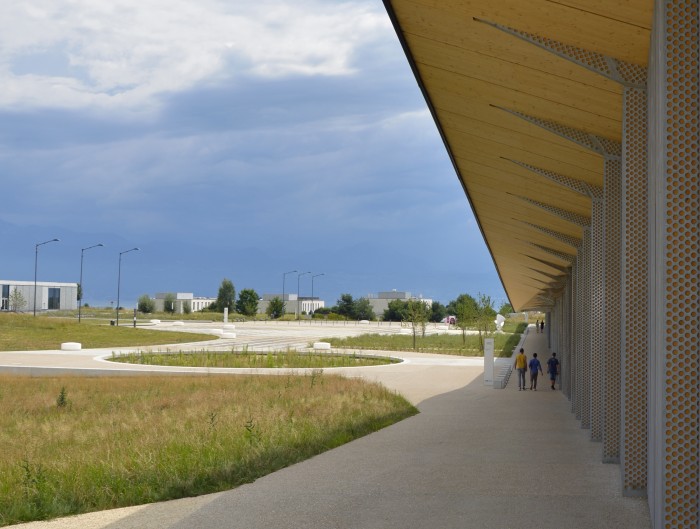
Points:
point(475, 457)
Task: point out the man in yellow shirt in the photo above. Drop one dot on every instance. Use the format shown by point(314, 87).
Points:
point(521, 366)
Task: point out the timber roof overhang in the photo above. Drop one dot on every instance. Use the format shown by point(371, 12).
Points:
point(527, 96)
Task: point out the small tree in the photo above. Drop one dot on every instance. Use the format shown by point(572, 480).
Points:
point(396, 311)
point(363, 310)
point(275, 308)
point(462, 298)
point(418, 313)
point(145, 304)
point(437, 312)
point(226, 297)
point(17, 301)
point(466, 313)
point(485, 315)
point(247, 303)
point(79, 295)
point(187, 307)
point(169, 303)
point(346, 306)
point(505, 309)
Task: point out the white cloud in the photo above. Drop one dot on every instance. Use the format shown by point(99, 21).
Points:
point(124, 53)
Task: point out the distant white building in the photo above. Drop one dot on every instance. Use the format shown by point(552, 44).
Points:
point(49, 295)
point(380, 301)
point(180, 300)
point(293, 305)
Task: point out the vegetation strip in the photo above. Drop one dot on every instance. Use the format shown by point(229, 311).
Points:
point(22, 332)
point(469, 345)
point(75, 445)
point(246, 359)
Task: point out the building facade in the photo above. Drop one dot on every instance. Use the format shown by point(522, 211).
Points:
point(573, 129)
point(380, 301)
point(19, 296)
point(292, 304)
point(180, 301)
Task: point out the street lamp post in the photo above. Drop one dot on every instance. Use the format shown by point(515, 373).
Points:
point(312, 285)
point(119, 278)
point(283, 278)
point(298, 306)
point(36, 260)
point(80, 285)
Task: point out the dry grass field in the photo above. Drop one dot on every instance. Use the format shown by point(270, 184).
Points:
point(73, 445)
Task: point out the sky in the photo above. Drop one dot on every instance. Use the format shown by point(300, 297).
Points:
point(236, 140)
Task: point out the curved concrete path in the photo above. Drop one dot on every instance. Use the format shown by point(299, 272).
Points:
point(474, 457)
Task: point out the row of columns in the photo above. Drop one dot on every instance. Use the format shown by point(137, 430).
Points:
point(626, 325)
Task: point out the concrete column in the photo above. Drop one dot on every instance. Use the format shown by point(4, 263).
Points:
point(584, 352)
point(575, 364)
point(674, 208)
point(612, 315)
point(635, 292)
point(597, 321)
point(567, 352)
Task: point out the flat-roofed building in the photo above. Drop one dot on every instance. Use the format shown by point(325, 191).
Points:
point(49, 295)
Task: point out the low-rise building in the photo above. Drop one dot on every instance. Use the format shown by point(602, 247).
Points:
point(380, 301)
point(180, 300)
point(292, 303)
point(19, 295)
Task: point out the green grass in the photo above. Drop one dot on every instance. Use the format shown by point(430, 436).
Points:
point(440, 343)
point(74, 445)
point(23, 332)
point(281, 360)
point(105, 313)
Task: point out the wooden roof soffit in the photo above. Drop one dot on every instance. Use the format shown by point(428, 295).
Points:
point(622, 72)
point(559, 255)
point(562, 269)
point(555, 282)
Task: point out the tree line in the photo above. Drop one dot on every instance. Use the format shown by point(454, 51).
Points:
point(465, 311)
point(246, 304)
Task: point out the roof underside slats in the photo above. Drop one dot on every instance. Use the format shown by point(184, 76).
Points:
point(527, 184)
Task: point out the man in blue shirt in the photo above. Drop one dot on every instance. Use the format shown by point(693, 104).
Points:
point(553, 368)
point(535, 367)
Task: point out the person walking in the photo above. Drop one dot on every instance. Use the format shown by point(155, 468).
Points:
point(542, 326)
point(521, 366)
point(537, 326)
point(553, 369)
point(535, 369)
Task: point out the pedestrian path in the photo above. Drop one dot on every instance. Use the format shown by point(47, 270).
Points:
point(474, 457)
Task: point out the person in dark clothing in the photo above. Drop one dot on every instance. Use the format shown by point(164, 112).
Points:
point(553, 368)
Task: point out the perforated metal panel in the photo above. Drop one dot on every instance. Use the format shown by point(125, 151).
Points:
point(565, 359)
point(602, 146)
point(559, 212)
point(620, 71)
point(597, 323)
point(574, 367)
point(561, 237)
point(584, 333)
point(680, 278)
point(612, 315)
point(635, 244)
point(570, 183)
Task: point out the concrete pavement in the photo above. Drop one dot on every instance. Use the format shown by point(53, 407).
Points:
point(474, 457)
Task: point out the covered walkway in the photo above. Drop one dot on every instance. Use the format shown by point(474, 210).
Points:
point(474, 457)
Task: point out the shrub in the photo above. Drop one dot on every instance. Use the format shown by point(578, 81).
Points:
point(145, 304)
